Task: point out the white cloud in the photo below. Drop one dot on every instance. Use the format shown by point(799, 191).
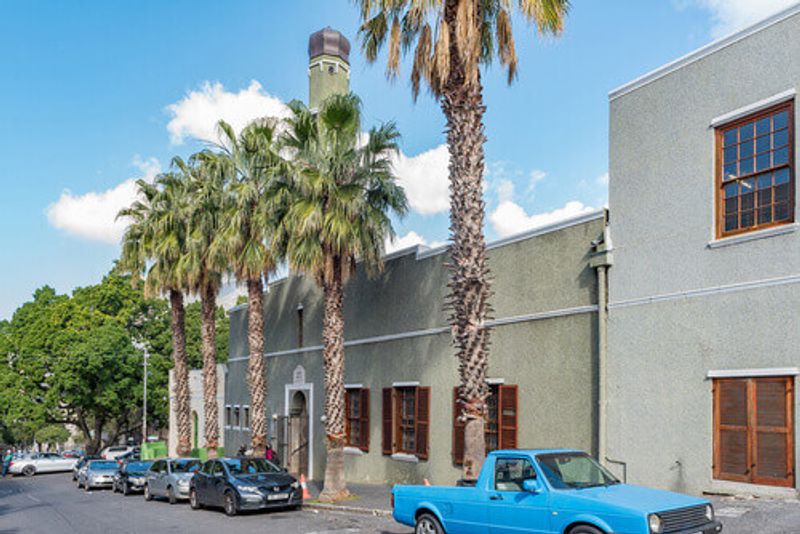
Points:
point(730, 15)
point(93, 215)
point(505, 190)
point(425, 179)
point(510, 218)
point(602, 180)
point(196, 114)
point(535, 177)
point(409, 240)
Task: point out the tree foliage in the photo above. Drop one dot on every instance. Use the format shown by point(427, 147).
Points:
point(70, 359)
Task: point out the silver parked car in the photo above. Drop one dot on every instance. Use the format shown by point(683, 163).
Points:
point(97, 474)
point(45, 462)
point(169, 477)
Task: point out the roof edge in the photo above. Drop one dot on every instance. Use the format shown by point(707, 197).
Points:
point(703, 52)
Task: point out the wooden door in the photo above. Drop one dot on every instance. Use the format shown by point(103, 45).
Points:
point(754, 430)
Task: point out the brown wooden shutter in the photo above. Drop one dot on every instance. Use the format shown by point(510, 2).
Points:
point(348, 434)
point(458, 431)
point(422, 420)
point(364, 421)
point(387, 445)
point(732, 454)
point(772, 433)
point(507, 417)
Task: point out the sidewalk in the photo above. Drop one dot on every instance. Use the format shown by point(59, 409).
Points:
point(372, 499)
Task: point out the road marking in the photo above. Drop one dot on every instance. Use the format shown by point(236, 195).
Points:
point(31, 497)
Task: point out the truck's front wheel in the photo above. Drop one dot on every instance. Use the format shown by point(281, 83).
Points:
point(585, 529)
point(428, 524)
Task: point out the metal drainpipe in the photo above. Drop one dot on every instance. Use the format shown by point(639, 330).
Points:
point(601, 260)
point(602, 315)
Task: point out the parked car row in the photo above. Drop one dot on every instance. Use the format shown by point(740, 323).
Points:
point(234, 484)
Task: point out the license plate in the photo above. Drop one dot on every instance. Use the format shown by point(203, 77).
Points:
point(278, 497)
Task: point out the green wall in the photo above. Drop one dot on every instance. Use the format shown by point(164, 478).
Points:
point(543, 291)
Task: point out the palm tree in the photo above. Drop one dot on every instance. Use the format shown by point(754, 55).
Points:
point(340, 195)
point(203, 267)
point(246, 239)
point(152, 248)
point(451, 39)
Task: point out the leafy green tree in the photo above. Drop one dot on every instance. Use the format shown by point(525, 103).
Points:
point(52, 434)
point(71, 360)
point(339, 198)
point(450, 40)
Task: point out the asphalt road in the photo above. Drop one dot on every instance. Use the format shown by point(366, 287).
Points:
point(52, 504)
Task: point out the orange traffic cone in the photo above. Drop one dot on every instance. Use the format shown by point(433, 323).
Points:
point(306, 494)
point(425, 482)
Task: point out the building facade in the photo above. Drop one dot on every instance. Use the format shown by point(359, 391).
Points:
point(197, 412)
point(400, 366)
point(703, 323)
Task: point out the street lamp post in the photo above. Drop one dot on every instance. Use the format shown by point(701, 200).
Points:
point(144, 399)
point(143, 347)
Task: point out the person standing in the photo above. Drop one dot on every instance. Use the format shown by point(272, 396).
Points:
point(7, 457)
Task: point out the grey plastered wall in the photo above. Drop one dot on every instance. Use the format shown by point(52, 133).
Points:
point(662, 200)
point(552, 360)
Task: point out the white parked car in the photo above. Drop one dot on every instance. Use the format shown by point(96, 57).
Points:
point(45, 462)
point(110, 453)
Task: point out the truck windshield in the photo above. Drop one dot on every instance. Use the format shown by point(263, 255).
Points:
point(574, 470)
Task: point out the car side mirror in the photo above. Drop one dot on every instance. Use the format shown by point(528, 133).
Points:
point(532, 485)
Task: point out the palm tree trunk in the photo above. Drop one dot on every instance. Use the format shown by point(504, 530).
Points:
point(256, 368)
point(208, 296)
point(181, 373)
point(462, 104)
point(335, 487)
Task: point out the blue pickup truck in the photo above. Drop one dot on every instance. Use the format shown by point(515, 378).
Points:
point(553, 492)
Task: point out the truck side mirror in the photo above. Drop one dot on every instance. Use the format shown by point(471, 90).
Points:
point(532, 485)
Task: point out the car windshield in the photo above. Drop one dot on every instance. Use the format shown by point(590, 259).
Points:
point(185, 466)
point(103, 465)
point(574, 470)
point(138, 466)
point(250, 466)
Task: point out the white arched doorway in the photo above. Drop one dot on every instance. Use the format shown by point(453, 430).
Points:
point(299, 412)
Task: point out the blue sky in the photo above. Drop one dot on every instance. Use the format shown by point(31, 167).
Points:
point(95, 93)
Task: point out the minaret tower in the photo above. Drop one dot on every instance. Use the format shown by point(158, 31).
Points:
point(328, 66)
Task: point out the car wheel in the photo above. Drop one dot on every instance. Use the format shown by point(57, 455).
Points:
point(194, 502)
point(28, 470)
point(230, 504)
point(428, 524)
point(147, 495)
point(126, 489)
point(171, 495)
point(585, 529)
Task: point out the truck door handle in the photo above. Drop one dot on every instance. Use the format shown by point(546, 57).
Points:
point(496, 498)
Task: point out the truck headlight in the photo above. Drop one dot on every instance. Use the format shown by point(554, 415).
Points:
point(709, 512)
point(655, 523)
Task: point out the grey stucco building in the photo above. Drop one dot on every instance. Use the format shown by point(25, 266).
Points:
point(703, 316)
point(401, 369)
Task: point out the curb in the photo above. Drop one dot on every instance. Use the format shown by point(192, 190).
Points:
point(349, 509)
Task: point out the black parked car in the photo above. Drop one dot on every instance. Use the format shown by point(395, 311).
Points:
point(238, 484)
point(131, 476)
